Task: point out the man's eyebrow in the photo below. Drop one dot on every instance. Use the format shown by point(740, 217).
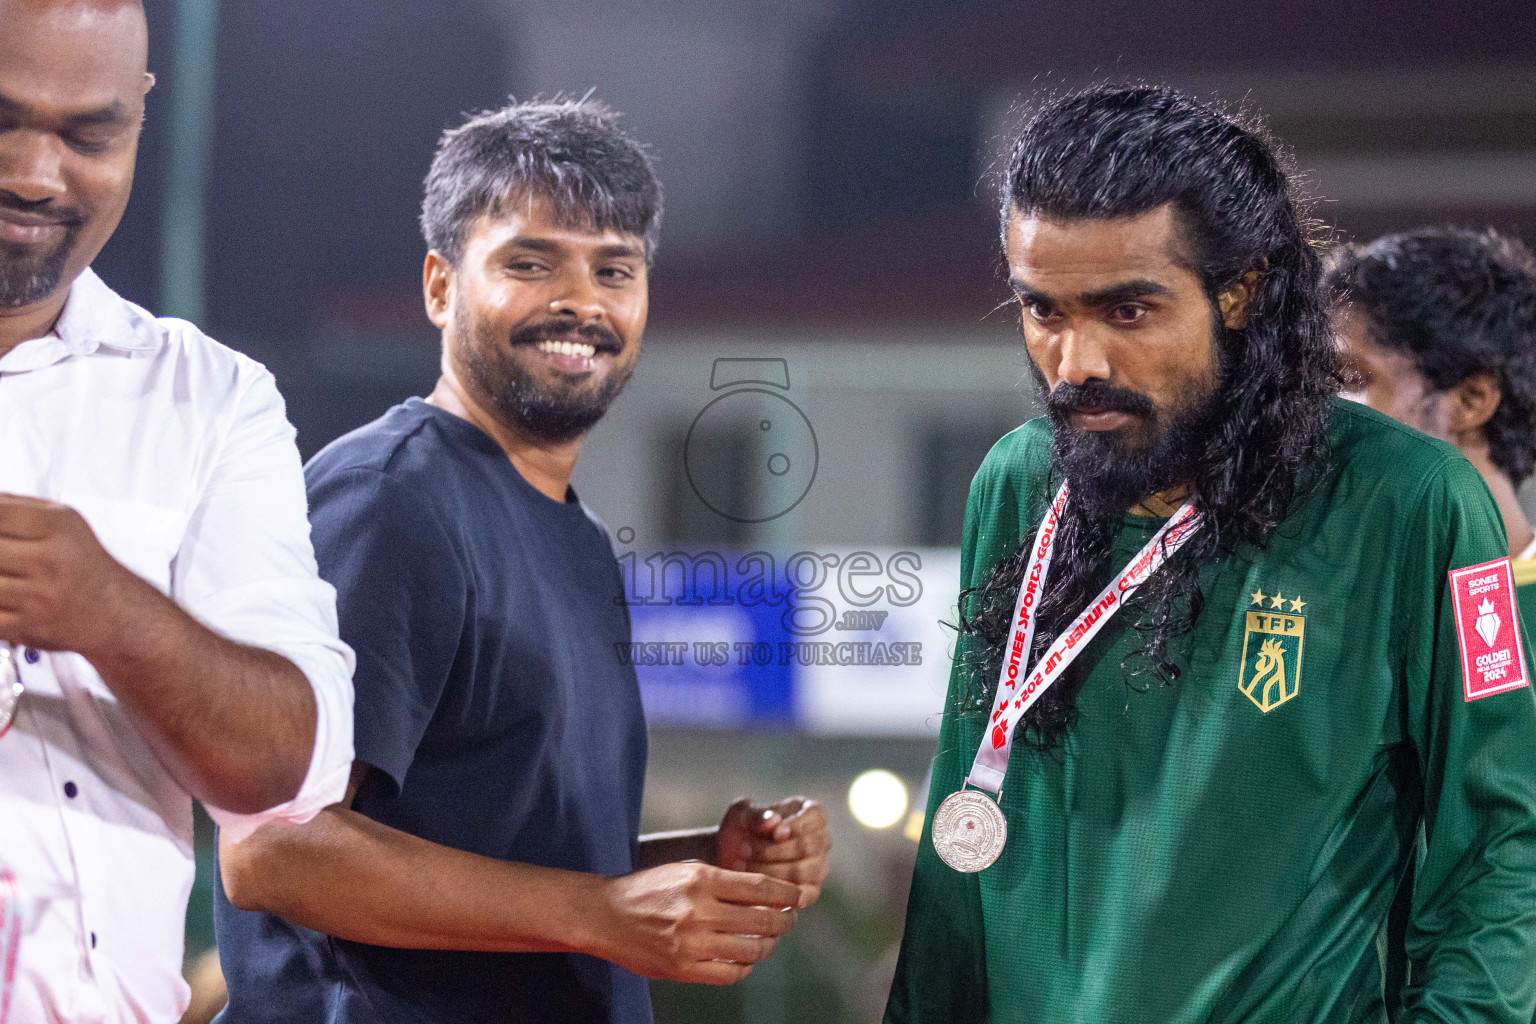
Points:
point(1138, 289)
point(1122, 292)
point(534, 243)
point(112, 113)
point(620, 250)
point(1024, 291)
point(616, 250)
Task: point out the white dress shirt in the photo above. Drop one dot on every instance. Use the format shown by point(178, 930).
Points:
point(179, 454)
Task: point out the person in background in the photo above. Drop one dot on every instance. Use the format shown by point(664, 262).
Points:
point(485, 864)
point(1437, 329)
point(164, 635)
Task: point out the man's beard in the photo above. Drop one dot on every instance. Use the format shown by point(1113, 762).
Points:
point(553, 413)
point(1110, 473)
point(31, 273)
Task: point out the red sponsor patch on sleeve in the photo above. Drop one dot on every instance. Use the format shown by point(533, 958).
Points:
point(1488, 629)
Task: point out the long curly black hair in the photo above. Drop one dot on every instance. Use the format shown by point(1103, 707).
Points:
point(1458, 302)
point(1111, 152)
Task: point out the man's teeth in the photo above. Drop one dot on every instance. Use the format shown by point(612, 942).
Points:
point(568, 348)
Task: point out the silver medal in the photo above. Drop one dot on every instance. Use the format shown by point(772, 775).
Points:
point(969, 831)
point(10, 687)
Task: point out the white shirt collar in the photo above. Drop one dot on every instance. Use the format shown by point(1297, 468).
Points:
point(94, 317)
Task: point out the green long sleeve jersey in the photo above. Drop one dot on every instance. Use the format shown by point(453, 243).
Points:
point(1230, 847)
point(1525, 590)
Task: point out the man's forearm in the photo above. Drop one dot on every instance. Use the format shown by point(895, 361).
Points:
point(347, 875)
point(234, 725)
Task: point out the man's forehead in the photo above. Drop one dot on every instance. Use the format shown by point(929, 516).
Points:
point(1080, 253)
point(62, 57)
point(534, 219)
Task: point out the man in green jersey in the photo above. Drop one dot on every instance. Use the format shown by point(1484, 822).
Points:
point(1438, 330)
point(1209, 816)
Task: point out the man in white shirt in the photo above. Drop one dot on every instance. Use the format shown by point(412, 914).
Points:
point(158, 595)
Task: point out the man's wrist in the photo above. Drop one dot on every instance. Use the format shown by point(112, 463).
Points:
point(585, 922)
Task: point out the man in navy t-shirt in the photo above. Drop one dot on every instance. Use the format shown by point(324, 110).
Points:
point(486, 864)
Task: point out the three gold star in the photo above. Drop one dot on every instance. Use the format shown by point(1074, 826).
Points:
point(1258, 597)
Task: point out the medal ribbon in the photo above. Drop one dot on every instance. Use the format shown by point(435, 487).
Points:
point(1017, 693)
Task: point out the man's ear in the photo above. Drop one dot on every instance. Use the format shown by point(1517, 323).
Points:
point(1235, 300)
point(1472, 403)
point(437, 288)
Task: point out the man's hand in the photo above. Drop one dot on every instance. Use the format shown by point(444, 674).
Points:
point(233, 725)
point(788, 840)
point(58, 586)
point(691, 922)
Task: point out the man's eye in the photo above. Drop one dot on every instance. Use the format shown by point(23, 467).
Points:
point(92, 140)
point(87, 146)
point(525, 266)
point(1038, 310)
point(1127, 313)
point(615, 275)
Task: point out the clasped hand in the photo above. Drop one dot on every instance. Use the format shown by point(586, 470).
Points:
point(57, 583)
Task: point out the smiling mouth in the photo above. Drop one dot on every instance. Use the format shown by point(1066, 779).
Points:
point(23, 229)
point(574, 349)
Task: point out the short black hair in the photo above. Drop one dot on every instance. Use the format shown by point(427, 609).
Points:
point(1458, 302)
point(570, 153)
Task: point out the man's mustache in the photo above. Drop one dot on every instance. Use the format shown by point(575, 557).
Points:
point(1069, 398)
point(1099, 396)
point(596, 335)
point(66, 215)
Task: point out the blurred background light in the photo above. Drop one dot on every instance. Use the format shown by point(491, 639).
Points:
point(877, 799)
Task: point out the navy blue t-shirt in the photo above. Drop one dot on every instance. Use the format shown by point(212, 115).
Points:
point(492, 708)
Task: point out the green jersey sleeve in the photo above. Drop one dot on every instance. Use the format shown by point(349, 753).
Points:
point(941, 974)
point(1471, 936)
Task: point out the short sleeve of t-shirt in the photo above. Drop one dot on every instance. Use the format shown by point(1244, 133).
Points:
point(400, 594)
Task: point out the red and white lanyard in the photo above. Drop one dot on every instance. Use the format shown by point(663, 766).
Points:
point(1017, 693)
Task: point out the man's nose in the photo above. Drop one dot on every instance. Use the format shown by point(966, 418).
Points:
point(32, 166)
point(1083, 358)
point(577, 298)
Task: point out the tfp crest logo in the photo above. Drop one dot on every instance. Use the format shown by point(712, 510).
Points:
point(1274, 628)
